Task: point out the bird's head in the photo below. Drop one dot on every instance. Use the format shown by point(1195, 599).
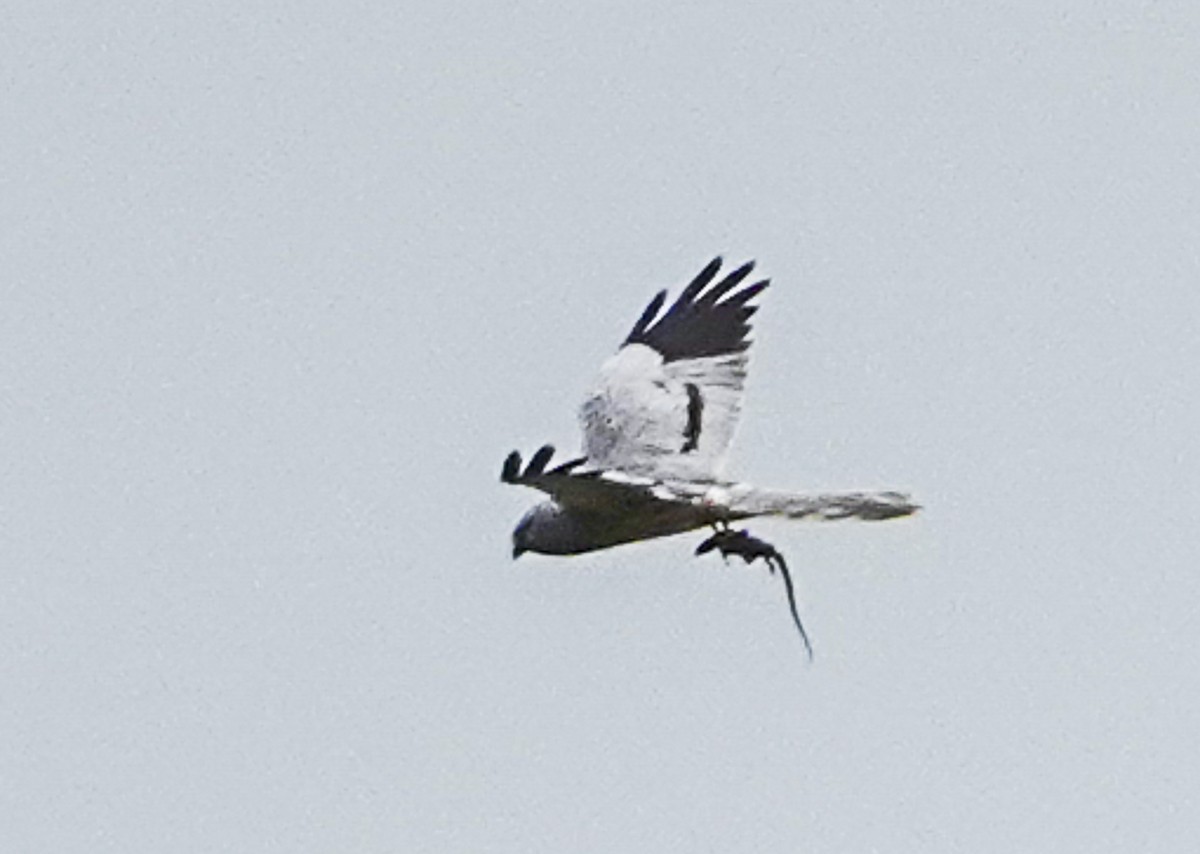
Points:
point(545, 529)
point(521, 536)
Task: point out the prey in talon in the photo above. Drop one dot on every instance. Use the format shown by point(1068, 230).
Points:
point(730, 542)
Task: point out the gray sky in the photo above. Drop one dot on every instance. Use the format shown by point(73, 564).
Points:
point(283, 285)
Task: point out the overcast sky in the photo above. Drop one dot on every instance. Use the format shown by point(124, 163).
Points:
point(283, 283)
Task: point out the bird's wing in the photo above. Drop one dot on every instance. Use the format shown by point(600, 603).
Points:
point(606, 489)
point(591, 489)
point(666, 405)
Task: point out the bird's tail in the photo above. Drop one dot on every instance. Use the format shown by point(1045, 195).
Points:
point(871, 506)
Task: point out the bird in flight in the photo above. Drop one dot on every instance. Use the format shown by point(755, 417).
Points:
point(657, 425)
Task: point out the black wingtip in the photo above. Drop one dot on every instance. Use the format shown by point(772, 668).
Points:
point(702, 280)
point(747, 293)
point(537, 463)
point(727, 284)
point(648, 315)
point(512, 468)
point(706, 320)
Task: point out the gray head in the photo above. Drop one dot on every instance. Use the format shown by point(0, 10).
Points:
point(547, 529)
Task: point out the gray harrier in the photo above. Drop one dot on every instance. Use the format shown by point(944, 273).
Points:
point(656, 430)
